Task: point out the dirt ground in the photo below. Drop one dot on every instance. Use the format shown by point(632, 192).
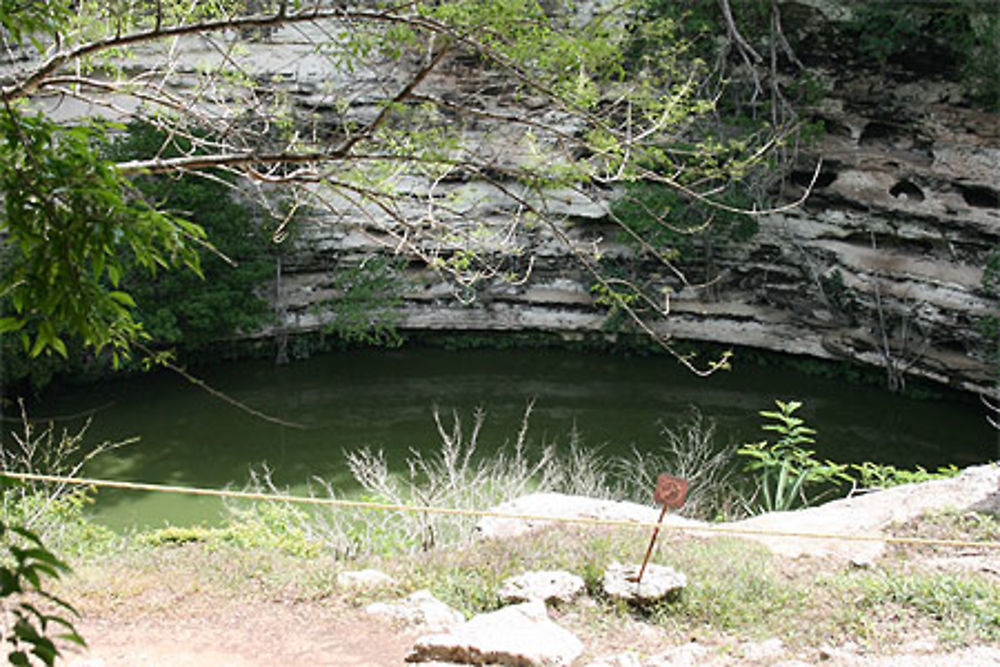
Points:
point(204, 631)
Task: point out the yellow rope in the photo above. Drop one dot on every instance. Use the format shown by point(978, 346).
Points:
point(391, 507)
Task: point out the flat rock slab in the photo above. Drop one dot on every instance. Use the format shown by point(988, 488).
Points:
point(658, 582)
point(541, 505)
point(976, 488)
point(546, 585)
point(419, 608)
point(521, 635)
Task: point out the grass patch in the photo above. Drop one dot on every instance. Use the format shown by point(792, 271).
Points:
point(732, 586)
point(959, 609)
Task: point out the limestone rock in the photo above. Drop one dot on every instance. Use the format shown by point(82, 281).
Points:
point(658, 582)
point(870, 514)
point(547, 586)
point(419, 608)
point(520, 635)
point(361, 579)
point(563, 505)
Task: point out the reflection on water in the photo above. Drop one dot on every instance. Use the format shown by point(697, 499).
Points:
point(385, 399)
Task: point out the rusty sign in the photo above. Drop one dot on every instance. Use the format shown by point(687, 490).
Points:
point(670, 491)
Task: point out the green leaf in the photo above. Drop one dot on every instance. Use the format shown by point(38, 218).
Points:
point(123, 298)
point(39, 346)
point(8, 324)
point(59, 346)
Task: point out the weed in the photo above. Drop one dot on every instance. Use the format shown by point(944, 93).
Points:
point(878, 476)
point(784, 470)
point(732, 585)
point(177, 535)
point(964, 609)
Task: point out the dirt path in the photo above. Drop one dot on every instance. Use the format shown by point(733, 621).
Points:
point(201, 631)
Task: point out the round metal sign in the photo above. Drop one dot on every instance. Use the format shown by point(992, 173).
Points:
point(670, 491)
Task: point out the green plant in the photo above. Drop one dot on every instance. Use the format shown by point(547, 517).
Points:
point(882, 476)
point(25, 573)
point(178, 535)
point(965, 608)
point(69, 221)
point(786, 474)
point(732, 585)
point(365, 309)
point(961, 37)
point(183, 309)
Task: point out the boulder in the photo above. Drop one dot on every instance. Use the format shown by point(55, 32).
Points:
point(658, 582)
point(520, 635)
point(419, 608)
point(548, 586)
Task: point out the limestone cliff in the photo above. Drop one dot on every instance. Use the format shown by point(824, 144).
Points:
point(882, 264)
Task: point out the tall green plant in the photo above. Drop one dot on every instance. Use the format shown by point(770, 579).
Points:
point(785, 474)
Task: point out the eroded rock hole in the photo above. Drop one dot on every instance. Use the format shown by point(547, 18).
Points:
point(804, 178)
point(876, 132)
point(906, 191)
point(980, 196)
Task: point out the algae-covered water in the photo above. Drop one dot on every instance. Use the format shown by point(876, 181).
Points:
point(385, 400)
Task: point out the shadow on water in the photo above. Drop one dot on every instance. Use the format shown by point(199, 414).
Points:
point(385, 400)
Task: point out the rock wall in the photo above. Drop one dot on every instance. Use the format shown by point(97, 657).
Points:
point(882, 264)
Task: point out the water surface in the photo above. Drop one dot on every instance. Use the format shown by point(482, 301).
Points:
point(385, 400)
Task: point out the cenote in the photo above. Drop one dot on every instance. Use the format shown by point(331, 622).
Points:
point(385, 400)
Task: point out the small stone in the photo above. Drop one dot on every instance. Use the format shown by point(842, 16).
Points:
point(548, 586)
point(419, 608)
point(362, 579)
point(520, 634)
point(862, 562)
point(658, 582)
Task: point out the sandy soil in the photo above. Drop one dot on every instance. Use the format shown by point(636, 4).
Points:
point(202, 631)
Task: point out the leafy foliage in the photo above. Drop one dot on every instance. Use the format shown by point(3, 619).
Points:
point(784, 471)
point(878, 476)
point(366, 302)
point(671, 223)
point(962, 36)
point(25, 573)
point(183, 308)
point(69, 221)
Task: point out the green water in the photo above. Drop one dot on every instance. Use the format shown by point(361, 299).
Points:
point(385, 399)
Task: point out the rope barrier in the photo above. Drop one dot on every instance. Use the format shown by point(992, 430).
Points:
point(423, 509)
